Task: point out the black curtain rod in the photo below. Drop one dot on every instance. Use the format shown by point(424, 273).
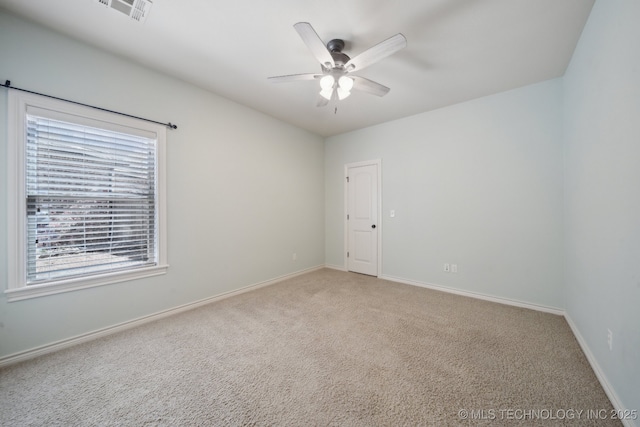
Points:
point(7, 84)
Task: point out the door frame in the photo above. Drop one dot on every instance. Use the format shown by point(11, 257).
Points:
point(378, 164)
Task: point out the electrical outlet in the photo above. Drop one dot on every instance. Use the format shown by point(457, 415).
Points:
point(610, 339)
point(447, 268)
point(294, 256)
point(454, 268)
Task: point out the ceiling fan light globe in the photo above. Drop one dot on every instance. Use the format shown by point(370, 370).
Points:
point(326, 93)
point(345, 83)
point(327, 82)
point(342, 93)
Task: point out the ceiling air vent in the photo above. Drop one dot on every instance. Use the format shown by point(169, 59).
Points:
point(137, 10)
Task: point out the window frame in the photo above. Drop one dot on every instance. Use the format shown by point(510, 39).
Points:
point(18, 103)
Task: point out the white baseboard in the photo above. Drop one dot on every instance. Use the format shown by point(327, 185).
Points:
point(68, 342)
point(477, 295)
point(608, 389)
point(336, 267)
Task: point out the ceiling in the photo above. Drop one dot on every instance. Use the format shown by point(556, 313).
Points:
point(457, 50)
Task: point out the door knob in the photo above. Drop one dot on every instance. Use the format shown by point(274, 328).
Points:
point(373, 226)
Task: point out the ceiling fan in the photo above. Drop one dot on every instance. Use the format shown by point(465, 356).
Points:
point(336, 78)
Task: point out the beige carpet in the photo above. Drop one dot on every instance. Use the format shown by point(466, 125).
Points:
point(326, 348)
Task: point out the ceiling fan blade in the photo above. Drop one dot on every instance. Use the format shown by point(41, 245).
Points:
point(315, 44)
point(369, 86)
point(293, 78)
point(377, 53)
point(322, 101)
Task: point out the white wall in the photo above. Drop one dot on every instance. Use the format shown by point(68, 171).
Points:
point(245, 191)
point(602, 207)
point(478, 184)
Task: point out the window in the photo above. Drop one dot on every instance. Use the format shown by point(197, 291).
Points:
point(88, 188)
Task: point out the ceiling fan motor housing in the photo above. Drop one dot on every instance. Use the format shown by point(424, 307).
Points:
point(335, 47)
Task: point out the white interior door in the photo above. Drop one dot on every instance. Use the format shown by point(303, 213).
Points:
point(362, 219)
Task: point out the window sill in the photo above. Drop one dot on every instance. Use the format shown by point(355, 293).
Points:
point(68, 285)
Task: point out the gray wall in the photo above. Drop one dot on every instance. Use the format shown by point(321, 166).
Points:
point(478, 184)
point(602, 192)
point(239, 195)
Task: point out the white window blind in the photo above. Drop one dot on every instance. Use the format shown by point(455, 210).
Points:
point(91, 197)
